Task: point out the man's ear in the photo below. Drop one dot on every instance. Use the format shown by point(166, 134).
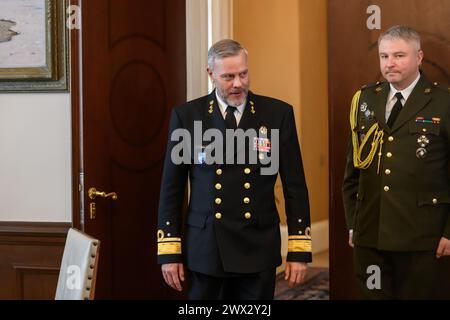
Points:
point(420, 56)
point(210, 74)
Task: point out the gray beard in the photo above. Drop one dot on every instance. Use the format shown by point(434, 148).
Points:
point(229, 103)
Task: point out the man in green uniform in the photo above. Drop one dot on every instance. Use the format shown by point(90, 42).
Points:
point(396, 187)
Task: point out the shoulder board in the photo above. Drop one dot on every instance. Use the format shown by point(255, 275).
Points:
point(441, 87)
point(371, 85)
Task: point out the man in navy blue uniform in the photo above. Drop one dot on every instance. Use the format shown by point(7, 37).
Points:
point(229, 241)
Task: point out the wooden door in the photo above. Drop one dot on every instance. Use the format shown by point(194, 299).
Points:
point(353, 61)
point(133, 73)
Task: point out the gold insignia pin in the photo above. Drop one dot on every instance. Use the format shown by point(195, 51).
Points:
point(378, 89)
point(252, 107)
point(427, 90)
point(210, 109)
point(211, 102)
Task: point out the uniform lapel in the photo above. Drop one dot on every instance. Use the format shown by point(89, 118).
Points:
point(212, 116)
point(380, 109)
point(416, 102)
point(250, 118)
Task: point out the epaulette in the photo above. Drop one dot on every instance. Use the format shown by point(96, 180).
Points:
point(441, 87)
point(375, 85)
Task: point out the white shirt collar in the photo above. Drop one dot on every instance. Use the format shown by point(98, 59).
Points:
point(223, 106)
point(405, 92)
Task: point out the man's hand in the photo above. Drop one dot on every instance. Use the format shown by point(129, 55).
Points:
point(295, 273)
point(173, 273)
point(443, 248)
point(350, 238)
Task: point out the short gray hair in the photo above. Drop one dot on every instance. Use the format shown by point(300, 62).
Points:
point(223, 49)
point(401, 32)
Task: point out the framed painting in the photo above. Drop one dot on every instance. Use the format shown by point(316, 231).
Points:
point(33, 46)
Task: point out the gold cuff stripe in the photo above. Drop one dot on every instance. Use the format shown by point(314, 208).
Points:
point(299, 246)
point(169, 248)
point(169, 240)
point(299, 237)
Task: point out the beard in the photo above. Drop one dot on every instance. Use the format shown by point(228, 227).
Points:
point(230, 99)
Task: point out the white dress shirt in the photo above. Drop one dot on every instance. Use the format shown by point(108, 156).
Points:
point(392, 99)
point(223, 108)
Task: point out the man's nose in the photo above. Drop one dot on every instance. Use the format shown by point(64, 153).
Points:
point(237, 82)
point(390, 61)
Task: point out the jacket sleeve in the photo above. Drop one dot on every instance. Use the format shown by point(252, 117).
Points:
point(173, 186)
point(350, 186)
point(295, 192)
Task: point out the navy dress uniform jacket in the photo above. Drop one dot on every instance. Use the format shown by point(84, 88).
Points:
point(405, 204)
point(232, 223)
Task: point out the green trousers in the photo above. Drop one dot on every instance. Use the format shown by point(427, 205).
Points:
point(400, 275)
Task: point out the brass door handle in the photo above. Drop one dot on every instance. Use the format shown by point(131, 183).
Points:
point(93, 193)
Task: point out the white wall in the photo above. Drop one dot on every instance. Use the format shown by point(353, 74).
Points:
point(35, 157)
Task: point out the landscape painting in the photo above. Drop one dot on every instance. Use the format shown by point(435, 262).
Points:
point(33, 45)
point(22, 33)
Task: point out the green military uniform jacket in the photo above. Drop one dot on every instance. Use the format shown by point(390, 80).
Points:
point(401, 201)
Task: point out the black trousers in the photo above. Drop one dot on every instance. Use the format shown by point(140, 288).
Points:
point(254, 286)
point(404, 275)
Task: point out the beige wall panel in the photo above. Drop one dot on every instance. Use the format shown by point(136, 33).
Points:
point(287, 44)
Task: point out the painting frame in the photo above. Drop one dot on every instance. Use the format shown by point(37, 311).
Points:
point(54, 75)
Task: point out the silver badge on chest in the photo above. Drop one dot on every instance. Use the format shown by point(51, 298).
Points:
point(423, 142)
point(421, 153)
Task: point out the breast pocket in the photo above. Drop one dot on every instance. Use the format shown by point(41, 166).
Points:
point(424, 135)
point(419, 128)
